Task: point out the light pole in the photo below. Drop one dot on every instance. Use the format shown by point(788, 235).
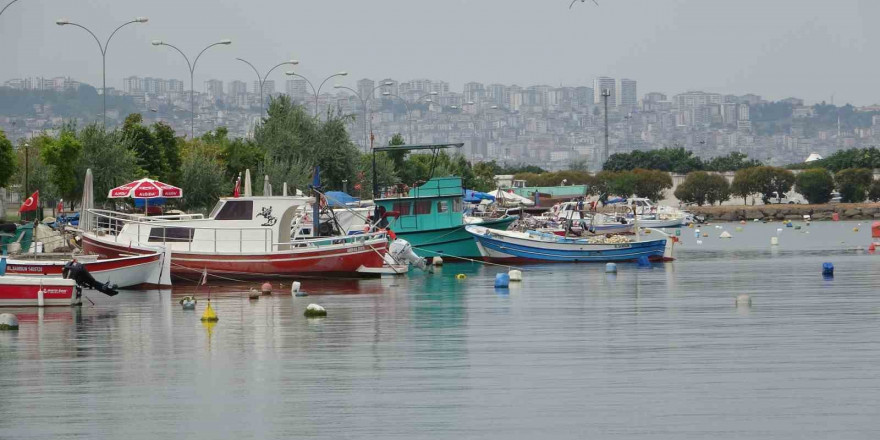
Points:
point(405, 104)
point(364, 103)
point(7, 5)
point(103, 48)
point(318, 90)
point(261, 80)
point(192, 74)
point(419, 99)
point(606, 93)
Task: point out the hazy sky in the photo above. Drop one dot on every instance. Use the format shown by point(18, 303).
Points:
point(776, 48)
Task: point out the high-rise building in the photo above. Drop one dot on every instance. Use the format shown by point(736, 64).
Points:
point(627, 94)
point(214, 88)
point(175, 85)
point(269, 87)
point(474, 92)
point(365, 88)
point(497, 93)
point(237, 88)
point(131, 85)
point(600, 85)
point(297, 89)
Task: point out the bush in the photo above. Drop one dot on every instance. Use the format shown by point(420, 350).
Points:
point(853, 184)
point(815, 185)
point(874, 191)
point(701, 187)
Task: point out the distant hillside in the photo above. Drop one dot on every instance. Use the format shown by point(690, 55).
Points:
point(84, 102)
point(778, 118)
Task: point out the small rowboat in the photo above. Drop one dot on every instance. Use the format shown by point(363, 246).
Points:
point(151, 269)
point(534, 246)
point(17, 291)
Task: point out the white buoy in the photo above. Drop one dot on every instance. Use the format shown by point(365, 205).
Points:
point(515, 275)
point(725, 234)
point(41, 300)
point(8, 321)
point(610, 268)
point(778, 231)
point(437, 261)
point(294, 288)
point(774, 241)
point(699, 241)
point(314, 311)
point(743, 300)
point(254, 293)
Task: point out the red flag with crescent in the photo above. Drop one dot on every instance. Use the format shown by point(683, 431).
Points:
point(237, 191)
point(31, 203)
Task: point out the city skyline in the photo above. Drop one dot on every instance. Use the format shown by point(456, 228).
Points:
point(776, 50)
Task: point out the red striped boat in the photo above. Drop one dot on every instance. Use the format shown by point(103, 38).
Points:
point(17, 291)
point(150, 269)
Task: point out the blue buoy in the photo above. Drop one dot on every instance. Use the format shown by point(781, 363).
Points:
point(502, 280)
point(611, 268)
point(828, 269)
point(643, 261)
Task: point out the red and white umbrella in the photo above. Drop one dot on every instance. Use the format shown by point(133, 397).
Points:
point(145, 189)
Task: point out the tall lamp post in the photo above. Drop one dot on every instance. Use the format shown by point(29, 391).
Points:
point(318, 90)
point(103, 48)
point(7, 5)
point(192, 74)
point(261, 80)
point(606, 93)
point(406, 105)
point(364, 103)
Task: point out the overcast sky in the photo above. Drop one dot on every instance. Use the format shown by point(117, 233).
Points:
point(776, 48)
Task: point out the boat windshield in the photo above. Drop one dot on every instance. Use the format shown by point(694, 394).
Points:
point(236, 210)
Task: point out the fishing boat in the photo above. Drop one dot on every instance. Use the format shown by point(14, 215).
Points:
point(143, 270)
point(244, 237)
point(542, 247)
point(19, 291)
point(651, 215)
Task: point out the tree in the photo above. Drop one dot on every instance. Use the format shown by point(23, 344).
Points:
point(7, 160)
point(732, 162)
point(37, 173)
point(169, 146)
point(111, 162)
point(139, 139)
point(743, 184)
point(815, 185)
point(484, 176)
point(201, 176)
point(244, 154)
point(874, 191)
point(701, 187)
point(651, 184)
point(853, 184)
point(62, 156)
point(771, 182)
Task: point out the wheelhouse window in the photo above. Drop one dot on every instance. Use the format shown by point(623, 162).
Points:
point(171, 235)
point(442, 206)
point(402, 208)
point(236, 210)
point(456, 204)
point(423, 207)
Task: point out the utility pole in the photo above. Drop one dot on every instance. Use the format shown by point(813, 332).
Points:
point(606, 93)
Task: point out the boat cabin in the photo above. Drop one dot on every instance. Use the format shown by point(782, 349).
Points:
point(436, 204)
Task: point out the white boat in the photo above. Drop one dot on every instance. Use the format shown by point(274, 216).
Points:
point(655, 216)
point(245, 237)
point(145, 270)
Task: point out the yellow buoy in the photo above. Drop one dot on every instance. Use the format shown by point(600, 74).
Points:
point(461, 276)
point(209, 315)
point(855, 229)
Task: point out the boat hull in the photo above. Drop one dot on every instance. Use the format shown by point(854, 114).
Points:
point(17, 291)
point(504, 248)
point(334, 261)
point(454, 242)
point(130, 271)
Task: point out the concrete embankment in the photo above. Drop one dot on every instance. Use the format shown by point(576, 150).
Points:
point(845, 211)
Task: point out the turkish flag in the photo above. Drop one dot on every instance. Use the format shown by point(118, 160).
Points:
point(31, 203)
point(237, 191)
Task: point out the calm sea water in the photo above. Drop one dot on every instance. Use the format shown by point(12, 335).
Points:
point(659, 353)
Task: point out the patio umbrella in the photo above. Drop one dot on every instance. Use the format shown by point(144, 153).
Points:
point(88, 202)
point(284, 189)
point(248, 191)
point(145, 189)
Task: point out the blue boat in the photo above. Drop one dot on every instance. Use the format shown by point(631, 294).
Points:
point(543, 247)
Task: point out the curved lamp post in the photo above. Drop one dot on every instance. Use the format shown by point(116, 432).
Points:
point(318, 90)
point(103, 48)
point(7, 5)
point(364, 104)
point(261, 80)
point(192, 70)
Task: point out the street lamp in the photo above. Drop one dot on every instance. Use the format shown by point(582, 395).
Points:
point(405, 104)
point(192, 70)
point(318, 90)
point(103, 48)
point(7, 5)
point(364, 104)
point(261, 80)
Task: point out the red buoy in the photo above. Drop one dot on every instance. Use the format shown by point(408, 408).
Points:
point(266, 288)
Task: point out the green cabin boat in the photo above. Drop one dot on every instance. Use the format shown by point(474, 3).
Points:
point(431, 218)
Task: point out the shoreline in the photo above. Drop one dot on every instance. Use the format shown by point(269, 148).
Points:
point(845, 211)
